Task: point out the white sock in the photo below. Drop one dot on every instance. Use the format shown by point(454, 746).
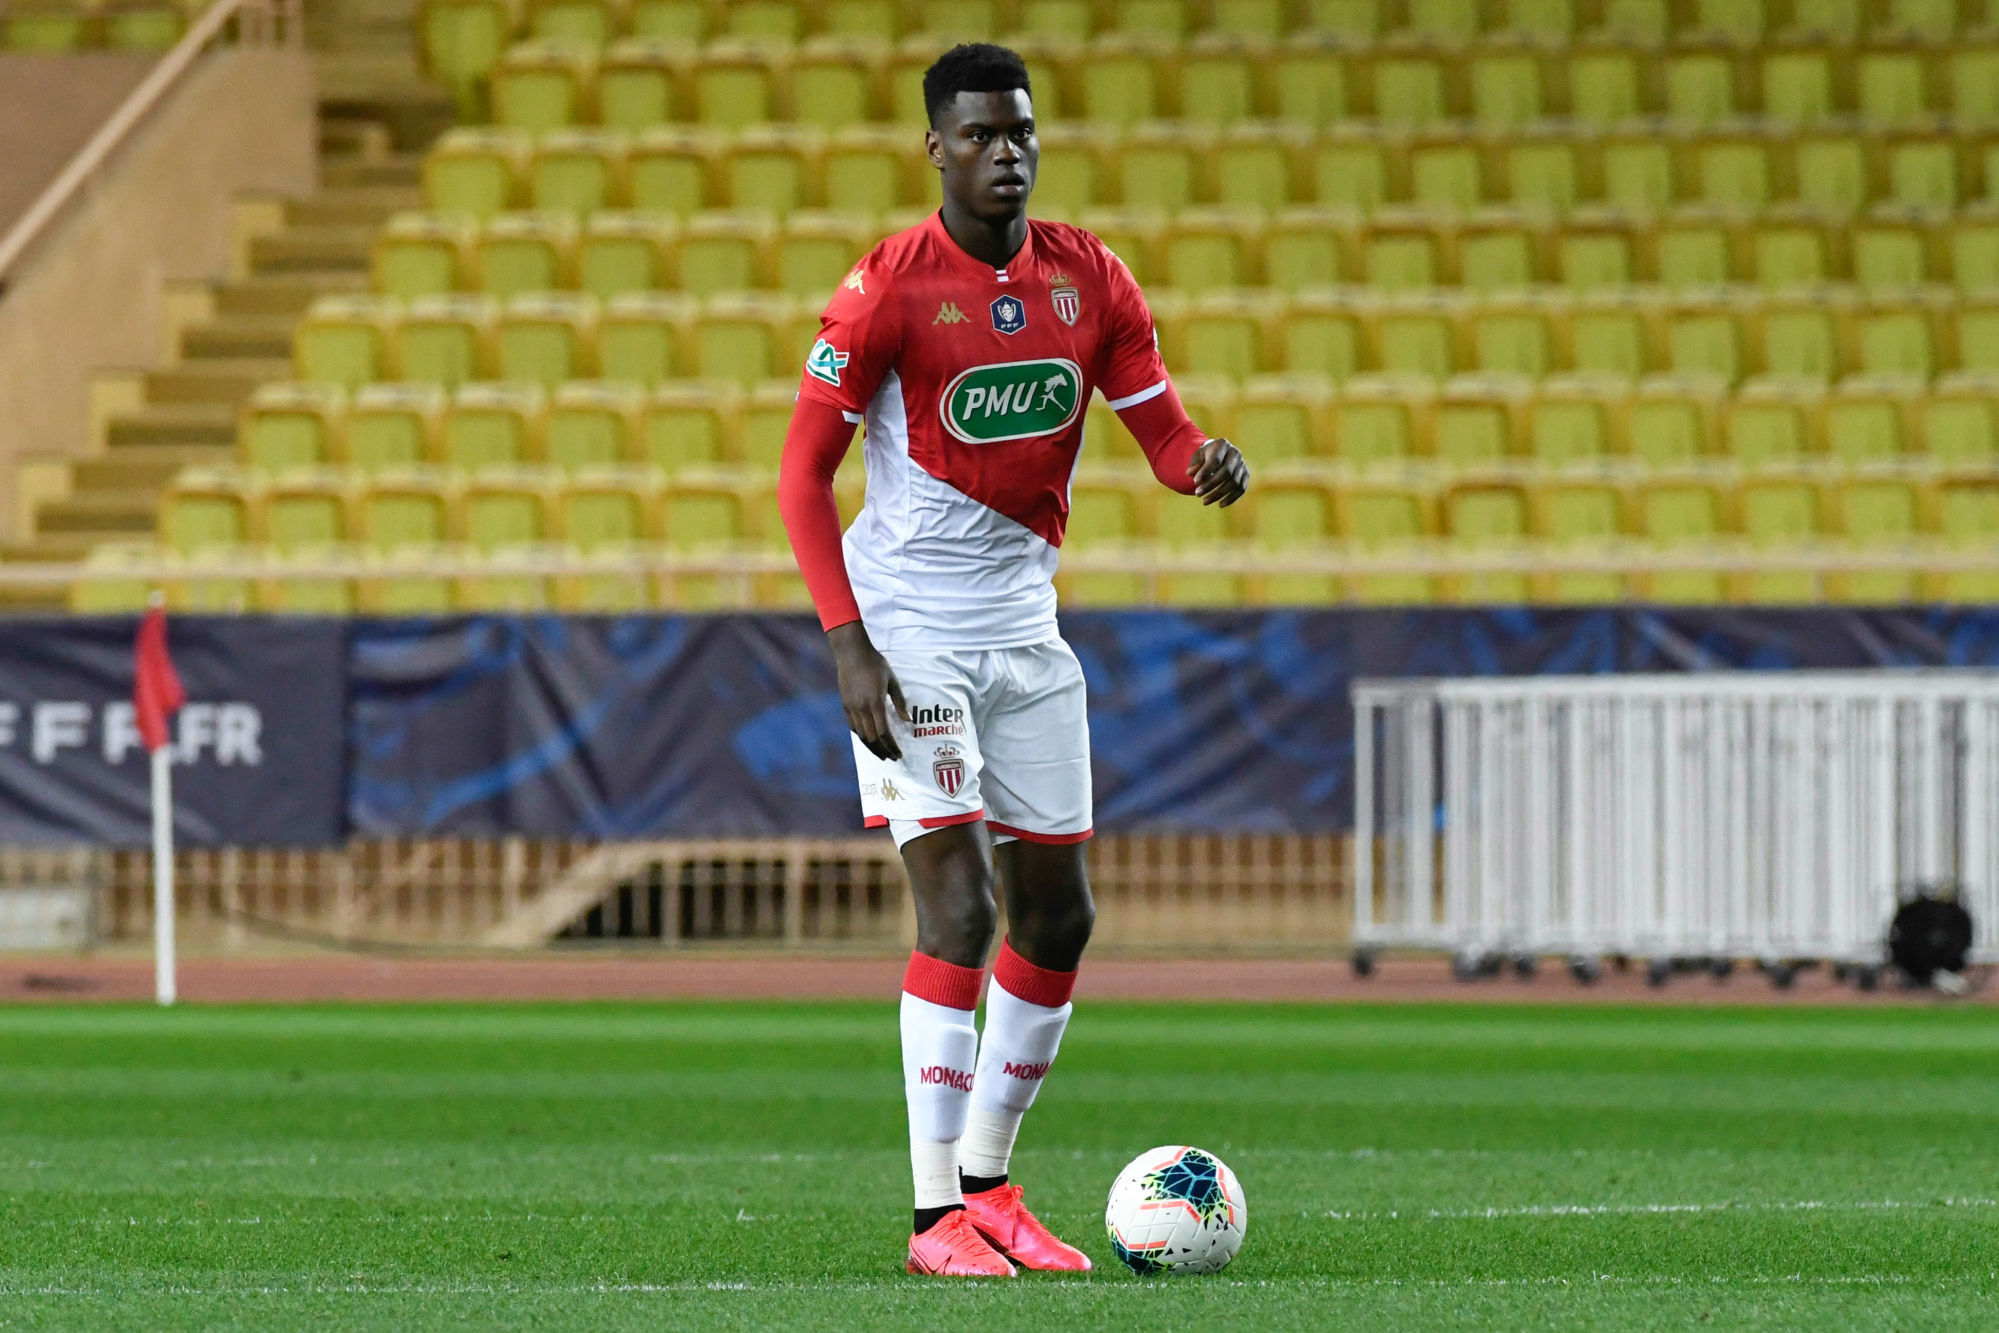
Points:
point(1018, 1046)
point(940, 1048)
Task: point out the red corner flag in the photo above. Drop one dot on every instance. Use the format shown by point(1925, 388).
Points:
point(156, 691)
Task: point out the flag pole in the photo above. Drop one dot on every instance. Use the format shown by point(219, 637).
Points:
point(161, 758)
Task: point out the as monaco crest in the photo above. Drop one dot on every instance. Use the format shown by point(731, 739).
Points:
point(949, 769)
point(1068, 304)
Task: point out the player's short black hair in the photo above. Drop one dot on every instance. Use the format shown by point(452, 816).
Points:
point(974, 67)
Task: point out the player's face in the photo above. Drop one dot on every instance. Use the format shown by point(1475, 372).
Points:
point(985, 146)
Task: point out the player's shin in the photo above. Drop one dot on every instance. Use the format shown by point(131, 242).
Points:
point(939, 1053)
point(1027, 1008)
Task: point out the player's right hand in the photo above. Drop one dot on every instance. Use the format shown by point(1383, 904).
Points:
point(867, 687)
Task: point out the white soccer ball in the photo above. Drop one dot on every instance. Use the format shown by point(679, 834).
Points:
point(1176, 1210)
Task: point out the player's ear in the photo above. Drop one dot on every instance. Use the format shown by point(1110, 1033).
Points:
point(933, 148)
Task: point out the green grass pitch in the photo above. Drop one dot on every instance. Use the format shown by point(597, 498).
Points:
point(722, 1166)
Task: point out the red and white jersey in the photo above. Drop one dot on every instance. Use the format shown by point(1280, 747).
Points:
point(972, 383)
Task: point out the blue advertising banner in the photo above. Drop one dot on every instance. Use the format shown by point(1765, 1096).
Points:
point(258, 748)
point(1232, 721)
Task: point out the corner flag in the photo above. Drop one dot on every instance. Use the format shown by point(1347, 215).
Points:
point(156, 696)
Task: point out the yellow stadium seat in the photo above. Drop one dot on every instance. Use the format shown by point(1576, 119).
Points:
point(1106, 437)
point(460, 43)
point(1789, 251)
point(1160, 163)
point(1959, 426)
point(1487, 517)
point(1051, 63)
point(726, 252)
point(224, 590)
point(707, 515)
point(476, 172)
point(1379, 419)
point(1284, 417)
point(1974, 82)
point(1218, 77)
point(1897, 335)
point(869, 167)
point(1119, 80)
point(745, 337)
point(1688, 514)
point(1775, 513)
point(307, 509)
point(1825, 18)
point(493, 424)
point(1578, 517)
point(1293, 515)
point(506, 507)
point(862, 18)
point(494, 589)
point(526, 252)
point(1798, 86)
point(1307, 80)
point(1967, 515)
point(1258, 165)
point(1613, 333)
point(776, 22)
point(1872, 420)
point(1832, 172)
point(1871, 514)
point(287, 426)
point(1133, 235)
point(1167, 18)
point(958, 20)
point(1891, 249)
point(287, 587)
point(1801, 334)
point(1349, 168)
point(593, 424)
point(1542, 170)
point(1923, 172)
point(613, 508)
point(1550, 21)
point(1506, 86)
point(1302, 247)
point(1386, 519)
point(1703, 336)
point(1694, 248)
point(836, 81)
point(692, 423)
point(1972, 241)
point(765, 417)
point(544, 85)
point(399, 580)
point(1891, 84)
point(1188, 528)
point(644, 338)
point(1774, 422)
point(345, 340)
point(1519, 334)
point(816, 250)
point(423, 254)
point(635, 83)
point(1447, 175)
point(1353, 20)
point(775, 168)
point(1402, 251)
point(1208, 249)
point(625, 252)
point(1251, 18)
point(1111, 510)
point(1229, 332)
point(1070, 20)
point(735, 83)
point(446, 339)
point(1414, 334)
point(587, 22)
point(1638, 175)
point(578, 171)
point(1732, 170)
point(546, 337)
point(1977, 330)
point(672, 170)
point(1574, 420)
point(1605, 82)
point(1502, 250)
point(1321, 334)
point(1596, 251)
point(206, 508)
point(1478, 420)
point(1701, 86)
point(1410, 89)
point(913, 55)
point(1674, 421)
point(393, 426)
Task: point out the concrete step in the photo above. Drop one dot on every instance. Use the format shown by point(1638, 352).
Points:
point(353, 137)
point(214, 379)
point(186, 425)
point(285, 293)
point(240, 336)
point(38, 597)
point(106, 515)
point(142, 466)
point(61, 547)
point(312, 250)
point(353, 206)
point(403, 169)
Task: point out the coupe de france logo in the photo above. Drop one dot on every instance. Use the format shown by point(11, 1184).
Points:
point(1009, 315)
point(824, 363)
point(949, 768)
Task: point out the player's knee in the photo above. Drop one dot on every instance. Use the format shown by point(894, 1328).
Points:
point(960, 928)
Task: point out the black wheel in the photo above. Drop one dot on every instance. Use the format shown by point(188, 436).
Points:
point(1721, 968)
point(1525, 966)
point(1866, 978)
point(1841, 972)
point(1621, 961)
point(1465, 967)
point(1585, 970)
point(1782, 975)
point(1363, 963)
point(1659, 971)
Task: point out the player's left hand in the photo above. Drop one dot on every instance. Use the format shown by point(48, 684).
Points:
point(1220, 473)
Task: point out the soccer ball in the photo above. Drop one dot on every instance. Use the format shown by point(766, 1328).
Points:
point(1176, 1210)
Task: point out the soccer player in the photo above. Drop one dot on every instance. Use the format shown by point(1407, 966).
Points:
point(969, 345)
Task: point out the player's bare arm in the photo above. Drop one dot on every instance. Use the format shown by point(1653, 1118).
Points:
point(868, 688)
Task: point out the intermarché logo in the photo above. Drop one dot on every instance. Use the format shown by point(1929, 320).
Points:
point(1014, 400)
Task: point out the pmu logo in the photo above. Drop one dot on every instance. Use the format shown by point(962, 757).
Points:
point(1012, 400)
point(957, 1079)
point(1033, 1073)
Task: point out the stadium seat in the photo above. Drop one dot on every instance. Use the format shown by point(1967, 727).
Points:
point(868, 167)
point(1611, 333)
point(398, 580)
point(1875, 513)
point(1674, 421)
point(460, 42)
point(1321, 334)
point(210, 508)
point(1543, 172)
point(345, 340)
point(1218, 78)
point(1605, 82)
point(1133, 235)
point(1486, 518)
point(1378, 419)
point(1506, 89)
point(544, 84)
point(476, 172)
point(1211, 249)
point(1401, 251)
point(1293, 516)
point(1308, 79)
point(391, 427)
point(1702, 336)
point(735, 84)
point(1349, 170)
point(1967, 516)
point(671, 170)
point(706, 514)
point(1257, 165)
point(644, 338)
point(446, 340)
point(765, 416)
point(635, 83)
point(1832, 173)
point(1410, 89)
point(1111, 510)
point(1890, 85)
point(1573, 420)
point(1353, 20)
point(1798, 86)
point(1447, 176)
point(1800, 335)
point(726, 252)
point(306, 509)
point(914, 54)
point(286, 587)
point(1959, 427)
point(1220, 333)
point(1515, 334)
point(836, 81)
point(1385, 519)
point(578, 171)
point(773, 22)
point(505, 507)
point(593, 424)
point(588, 23)
point(1286, 416)
point(1891, 250)
point(1413, 334)
point(775, 168)
point(423, 254)
point(745, 337)
point(525, 252)
point(816, 250)
point(626, 252)
point(1159, 165)
point(1119, 81)
point(1896, 336)
point(1687, 514)
point(1871, 420)
point(1577, 517)
point(1775, 514)
point(863, 18)
point(287, 426)
point(1476, 420)
point(1701, 86)
point(1501, 250)
point(1773, 422)
point(1302, 248)
point(546, 337)
point(492, 424)
point(691, 424)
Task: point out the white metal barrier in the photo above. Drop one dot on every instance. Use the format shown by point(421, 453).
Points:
point(1769, 816)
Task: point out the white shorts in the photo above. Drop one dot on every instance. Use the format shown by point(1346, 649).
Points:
point(1000, 735)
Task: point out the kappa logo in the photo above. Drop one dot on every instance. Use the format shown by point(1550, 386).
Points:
point(1012, 400)
point(957, 1079)
point(825, 364)
point(889, 791)
point(1031, 1072)
point(1009, 315)
point(854, 281)
point(948, 313)
point(949, 769)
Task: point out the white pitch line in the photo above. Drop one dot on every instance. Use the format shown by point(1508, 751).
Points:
point(1655, 1209)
